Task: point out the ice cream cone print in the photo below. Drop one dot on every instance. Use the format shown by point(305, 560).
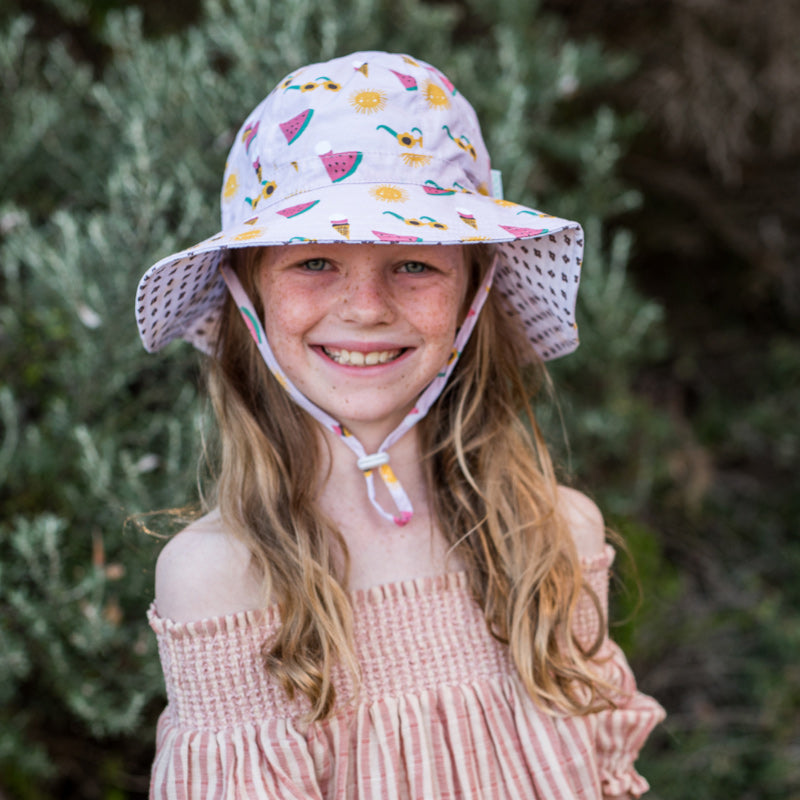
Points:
point(341, 225)
point(466, 216)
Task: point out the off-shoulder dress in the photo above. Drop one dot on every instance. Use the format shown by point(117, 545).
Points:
point(440, 712)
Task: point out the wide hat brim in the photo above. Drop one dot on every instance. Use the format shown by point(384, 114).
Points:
point(371, 147)
point(538, 266)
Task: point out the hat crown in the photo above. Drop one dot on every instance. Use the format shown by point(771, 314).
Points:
point(369, 117)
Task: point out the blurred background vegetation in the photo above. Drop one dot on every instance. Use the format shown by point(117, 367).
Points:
point(671, 128)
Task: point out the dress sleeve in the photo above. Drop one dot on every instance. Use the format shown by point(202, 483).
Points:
point(620, 731)
point(241, 762)
point(217, 736)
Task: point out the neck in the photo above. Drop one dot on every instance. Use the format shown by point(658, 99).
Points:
point(344, 493)
point(381, 552)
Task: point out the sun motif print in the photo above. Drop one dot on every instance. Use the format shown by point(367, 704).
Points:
point(388, 193)
point(436, 96)
point(231, 187)
point(368, 101)
point(416, 159)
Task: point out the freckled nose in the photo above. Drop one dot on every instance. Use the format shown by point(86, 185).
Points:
point(366, 299)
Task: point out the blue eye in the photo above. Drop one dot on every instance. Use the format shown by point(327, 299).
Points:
point(414, 267)
point(315, 264)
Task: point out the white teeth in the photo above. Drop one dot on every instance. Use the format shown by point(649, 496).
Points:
point(355, 358)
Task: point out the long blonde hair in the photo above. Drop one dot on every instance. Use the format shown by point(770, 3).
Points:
point(492, 489)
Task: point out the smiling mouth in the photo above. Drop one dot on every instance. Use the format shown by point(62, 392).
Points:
point(356, 358)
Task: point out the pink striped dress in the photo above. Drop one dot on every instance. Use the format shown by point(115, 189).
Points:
point(440, 714)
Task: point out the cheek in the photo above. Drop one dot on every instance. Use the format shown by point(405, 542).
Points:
point(286, 312)
point(440, 315)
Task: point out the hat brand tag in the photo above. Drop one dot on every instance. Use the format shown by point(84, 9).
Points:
point(497, 184)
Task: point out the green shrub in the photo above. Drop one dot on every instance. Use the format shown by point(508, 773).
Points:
point(113, 164)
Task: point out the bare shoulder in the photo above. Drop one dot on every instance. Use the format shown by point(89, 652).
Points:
point(584, 519)
point(204, 572)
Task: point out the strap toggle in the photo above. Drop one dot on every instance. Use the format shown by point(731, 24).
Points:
point(366, 463)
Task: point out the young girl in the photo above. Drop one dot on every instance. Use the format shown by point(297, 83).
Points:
point(390, 596)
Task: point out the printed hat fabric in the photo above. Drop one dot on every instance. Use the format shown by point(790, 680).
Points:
point(370, 147)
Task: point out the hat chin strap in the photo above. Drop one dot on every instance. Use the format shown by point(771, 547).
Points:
point(379, 460)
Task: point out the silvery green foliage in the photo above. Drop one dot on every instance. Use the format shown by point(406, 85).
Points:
point(106, 171)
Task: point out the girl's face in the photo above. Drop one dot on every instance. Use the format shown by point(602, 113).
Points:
point(362, 329)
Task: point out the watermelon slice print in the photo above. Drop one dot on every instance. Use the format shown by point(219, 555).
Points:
point(249, 134)
point(338, 165)
point(293, 127)
point(396, 237)
point(252, 323)
point(293, 211)
point(430, 187)
point(408, 81)
point(522, 233)
point(444, 79)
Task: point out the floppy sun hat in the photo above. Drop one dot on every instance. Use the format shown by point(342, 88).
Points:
point(379, 148)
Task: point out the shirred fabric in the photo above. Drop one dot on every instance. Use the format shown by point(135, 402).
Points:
point(440, 713)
